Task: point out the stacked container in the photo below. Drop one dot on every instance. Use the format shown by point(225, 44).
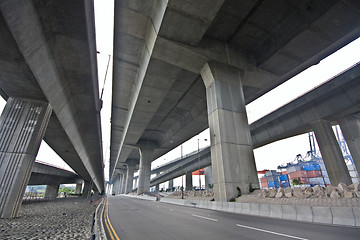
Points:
point(272, 178)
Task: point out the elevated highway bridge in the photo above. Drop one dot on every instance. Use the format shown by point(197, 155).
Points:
point(181, 67)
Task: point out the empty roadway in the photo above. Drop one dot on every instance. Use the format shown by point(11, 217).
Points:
point(140, 219)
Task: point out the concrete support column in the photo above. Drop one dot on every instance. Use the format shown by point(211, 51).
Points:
point(208, 176)
point(331, 153)
point(87, 190)
point(144, 169)
point(123, 183)
point(116, 186)
point(171, 184)
point(78, 188)
point(350, 127)
point(232, 154)
point(130, 175)
point(189, 183)
point(22, 126)
point(157, 186)
point(51, 191)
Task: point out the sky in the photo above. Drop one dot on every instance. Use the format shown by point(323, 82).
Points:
point(267, 157)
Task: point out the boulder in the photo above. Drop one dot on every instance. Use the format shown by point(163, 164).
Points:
point(272, 193)
point(298, 194)
point(307, 194)
point(329, 189)
point(334, 194)
point(342, 187)
point(288, 189)
point(320, 194)
point(280, 189)
point(356, 186)
point(279, 195)
point(265, 193)
point(357, 194)
point(317, 188)
point(348, 194)
point(288, 194)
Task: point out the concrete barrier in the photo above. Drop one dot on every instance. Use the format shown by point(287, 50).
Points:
point(356, 211)
point(343, 216)
point(245, 208)
point(238, 207)
point(144, 197)
point(275, 211)
point(264, 210)
point(348, 216)
point(304, 213)
point(322, 215)
point(288, 212)
point(255, 209)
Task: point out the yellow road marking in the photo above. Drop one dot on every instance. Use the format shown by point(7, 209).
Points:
point(109, 227)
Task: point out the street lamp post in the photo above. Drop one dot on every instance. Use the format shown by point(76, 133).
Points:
point(182, 178)
point(199, 161)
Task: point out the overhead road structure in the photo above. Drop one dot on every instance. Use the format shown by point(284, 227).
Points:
point(48, 56)
point(334, 101)
point(180, 68)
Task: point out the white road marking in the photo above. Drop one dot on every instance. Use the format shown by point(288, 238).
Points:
point(280, 234)
point(211, 219)
point(171, 210)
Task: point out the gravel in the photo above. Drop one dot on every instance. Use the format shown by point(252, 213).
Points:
point(61, 219)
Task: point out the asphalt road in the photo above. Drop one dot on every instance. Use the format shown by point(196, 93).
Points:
point(136, 219)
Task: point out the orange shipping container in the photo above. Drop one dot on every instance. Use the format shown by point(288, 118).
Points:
point(264, 184)
point(263, 180)
point(313, 174)
point(297, 174)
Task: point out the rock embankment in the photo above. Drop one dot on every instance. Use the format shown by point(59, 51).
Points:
point(50, 220)
point(340, 191)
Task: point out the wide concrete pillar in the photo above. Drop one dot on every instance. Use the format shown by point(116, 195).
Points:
point(171, 184)
point(116, 185)
point(350, 127)
point(144, 169)
point(208, 176)
point(78, 188)
point(87, 190)
point(22, 126)
point(232, 154)
point(331, 153)
point(130, 175)
point(189, 183)
point(51, 191)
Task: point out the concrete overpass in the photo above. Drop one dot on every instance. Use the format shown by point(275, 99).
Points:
point(334, 102)
point(52, 177)
point(182, 67)
point(48, 75)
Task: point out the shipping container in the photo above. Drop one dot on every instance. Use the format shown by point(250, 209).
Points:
point(353, 174)
point(317, 180)
point(297, 174)
point(264, 184)
point(313, 174)
point(283, 178)
point(355, 180)
point(271, 173)
point(285, 184)
point(351, 167)
point(293, 169)
point(274, 184)
point(272, 178)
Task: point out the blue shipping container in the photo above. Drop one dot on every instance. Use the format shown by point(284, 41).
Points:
point(283, 177)
point(274, 184)
point(272, 178)
point(285, 184)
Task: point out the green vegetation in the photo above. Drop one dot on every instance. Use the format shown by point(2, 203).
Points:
point(211, 186)
point(232, 200)
point(251, 189)
point(297, 181)
point(239, 191)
